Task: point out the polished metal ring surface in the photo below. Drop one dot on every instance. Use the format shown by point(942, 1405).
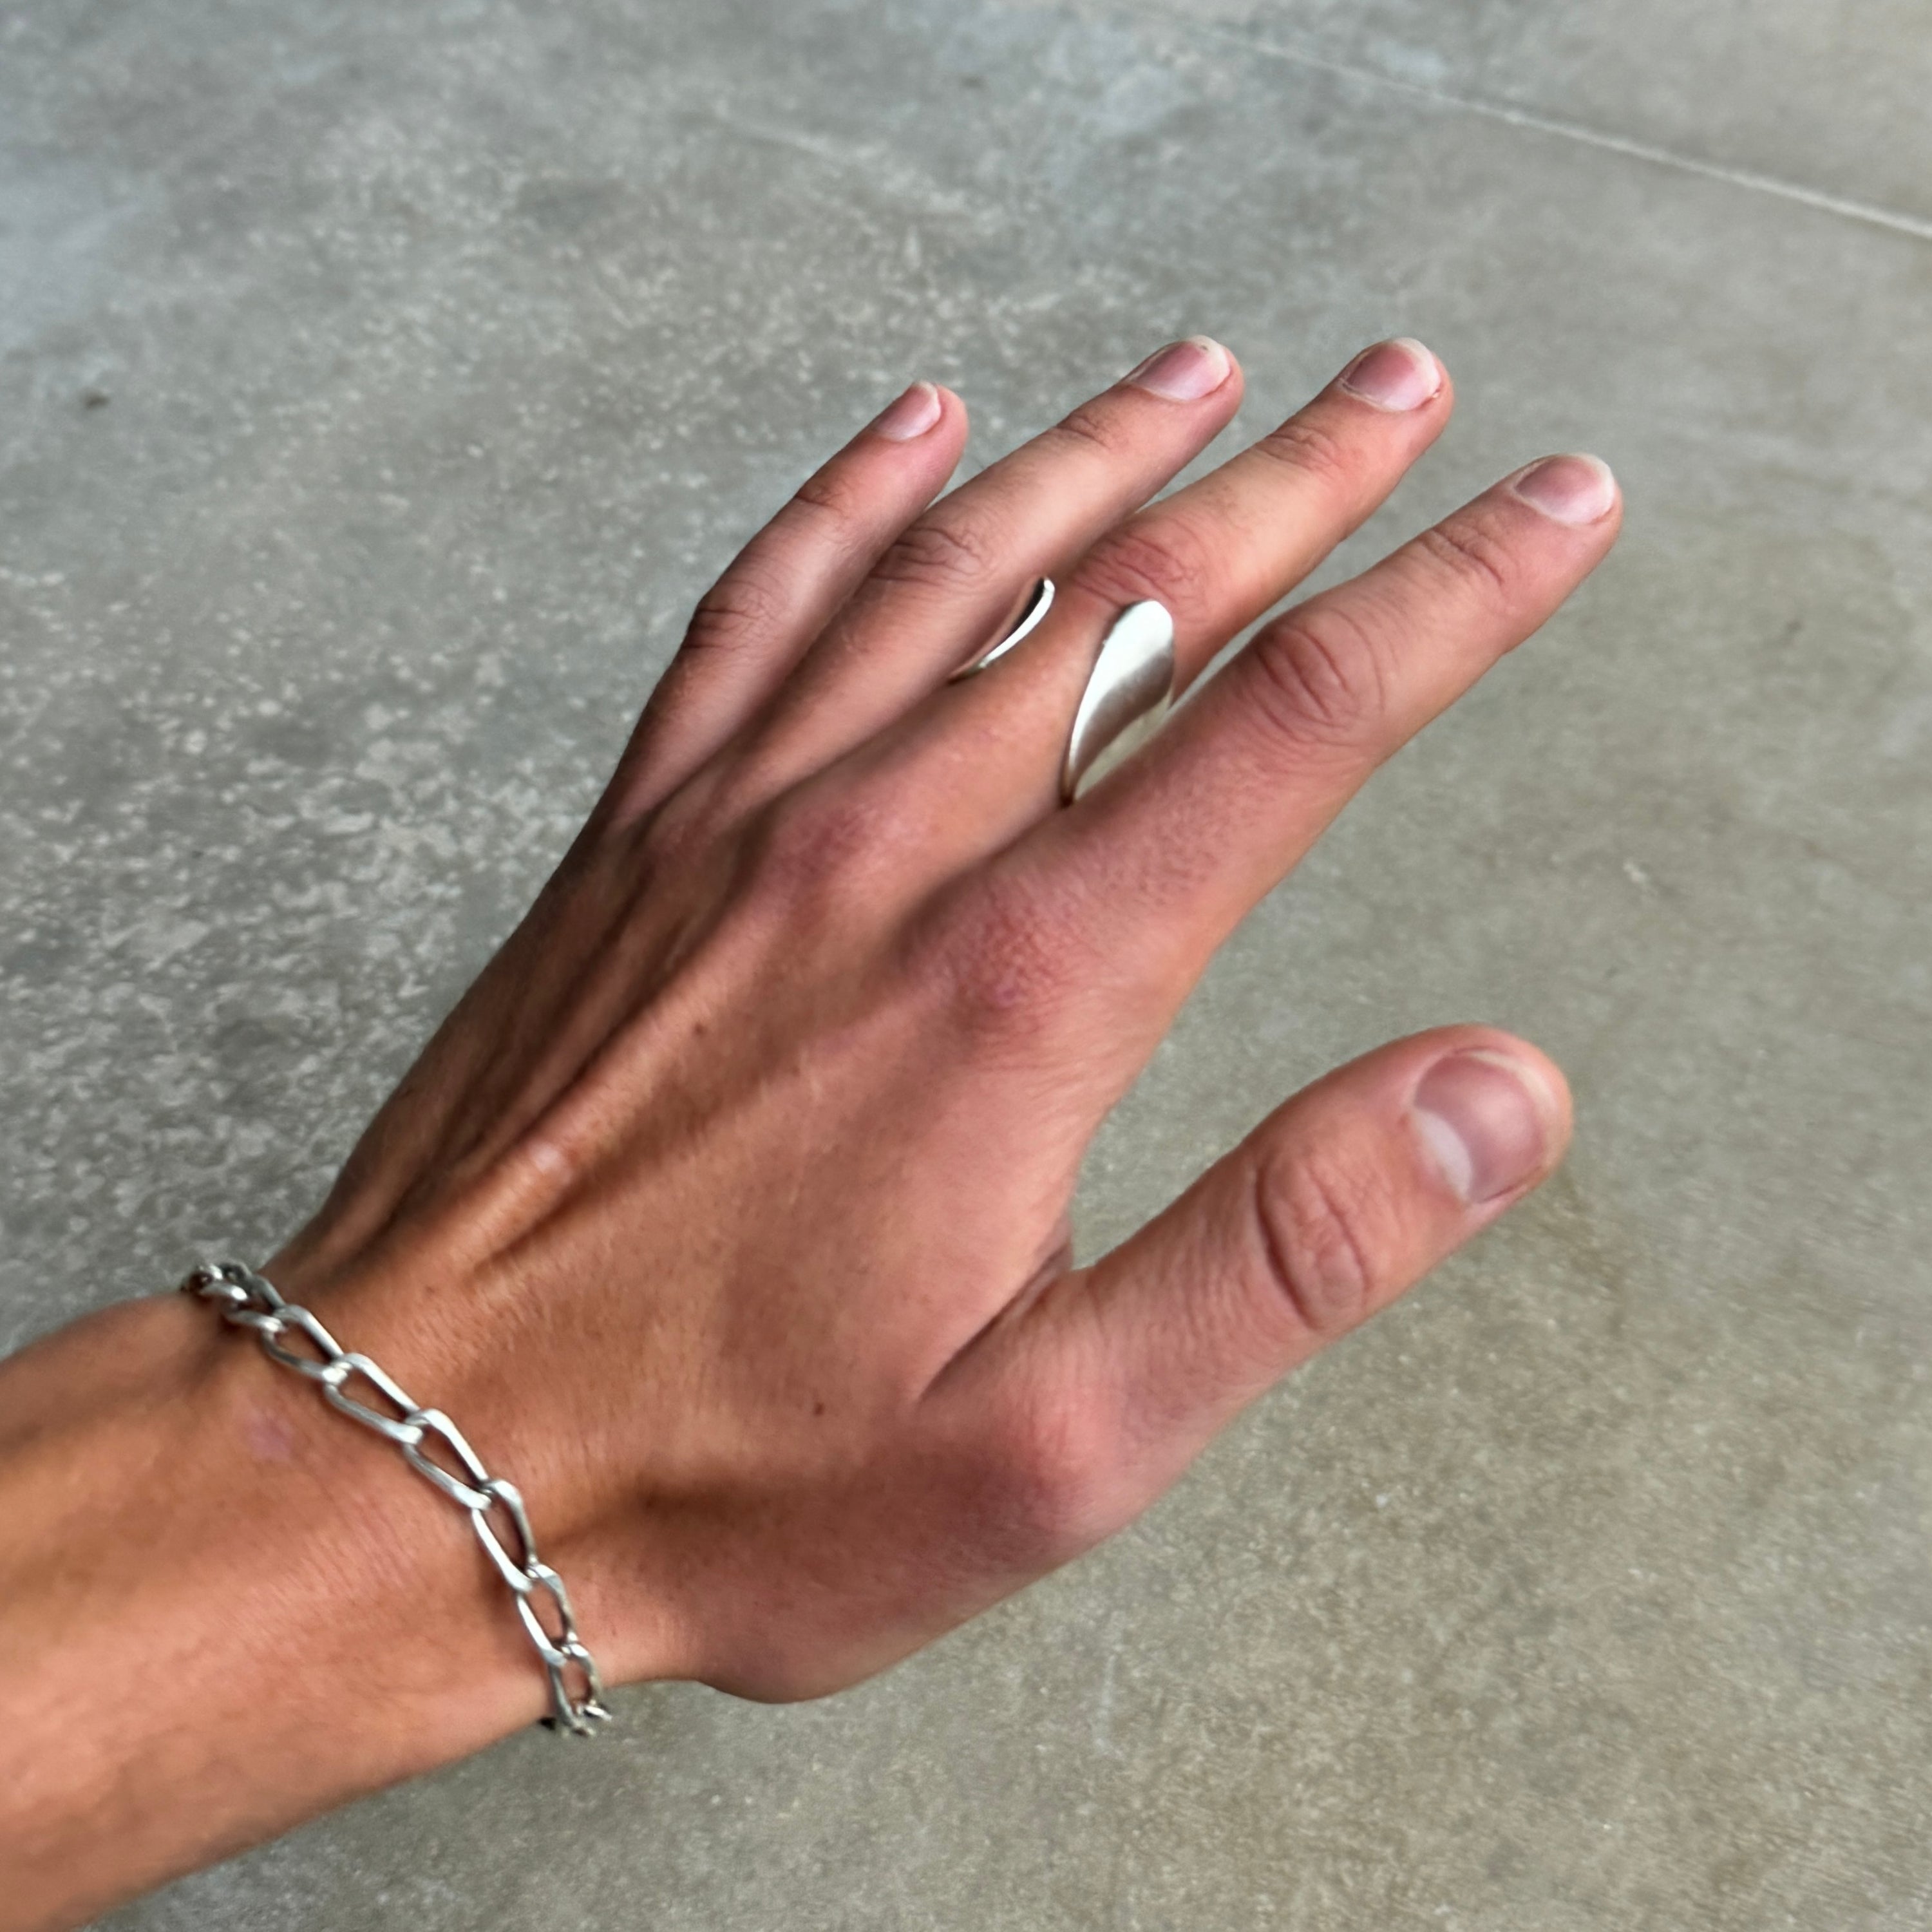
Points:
point(1037, 606)
point(1129, 691)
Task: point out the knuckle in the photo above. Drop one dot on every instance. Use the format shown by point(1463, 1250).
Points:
point(1469, 549)
point(1007, 962)
point(1308, 446)
point(816, 847)
point(939, 554)
point(1092, 426)
point(1170, 558)
point(830, 496)
point(744, 605)
point(1320, 675)
point(1317, 1226)
point(1053, 1461)
point(683, 831)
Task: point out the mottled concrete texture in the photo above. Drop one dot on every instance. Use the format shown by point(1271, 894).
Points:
point(379, 383)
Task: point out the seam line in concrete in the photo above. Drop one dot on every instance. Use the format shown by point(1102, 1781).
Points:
point(1871, 213)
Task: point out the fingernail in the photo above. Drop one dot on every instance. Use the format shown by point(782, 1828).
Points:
point(1394, 376)
point(1486, 1125)
point(1183, 372)
point(1575, 490)
point(912, 415)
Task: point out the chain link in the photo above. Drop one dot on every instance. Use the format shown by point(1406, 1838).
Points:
point(247, 1300)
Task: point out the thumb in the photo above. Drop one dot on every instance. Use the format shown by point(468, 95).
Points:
point(1341, 1199)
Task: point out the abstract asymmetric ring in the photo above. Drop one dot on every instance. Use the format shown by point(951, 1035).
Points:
point(1129, 691)
point(1037, 606)
point(1128, 694)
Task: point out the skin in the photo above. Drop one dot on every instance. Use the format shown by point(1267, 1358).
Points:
point(727, 1213)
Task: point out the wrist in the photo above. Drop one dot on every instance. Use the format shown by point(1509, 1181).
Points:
point(257, 1616)
point(460, 1340)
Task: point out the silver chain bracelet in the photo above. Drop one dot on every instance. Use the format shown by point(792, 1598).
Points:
point(247, 1301)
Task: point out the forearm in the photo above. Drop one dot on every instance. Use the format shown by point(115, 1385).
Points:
point(222, 1610)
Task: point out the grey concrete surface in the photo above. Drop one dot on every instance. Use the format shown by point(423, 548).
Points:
point(379, 384)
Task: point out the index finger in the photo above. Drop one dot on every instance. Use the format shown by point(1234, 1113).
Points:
point(1162, 860)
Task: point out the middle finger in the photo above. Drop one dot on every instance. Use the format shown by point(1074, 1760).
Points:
point(978, 763)
point(944, 588)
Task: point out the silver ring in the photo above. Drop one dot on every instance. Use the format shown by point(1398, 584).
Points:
point(1129, 691)
point(1128, 694)
point(1038, 605)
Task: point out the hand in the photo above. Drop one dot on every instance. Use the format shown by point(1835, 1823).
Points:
point(730, 1205)
point(727, 1212)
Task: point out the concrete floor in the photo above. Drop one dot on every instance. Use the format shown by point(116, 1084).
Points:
point(379, 384)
